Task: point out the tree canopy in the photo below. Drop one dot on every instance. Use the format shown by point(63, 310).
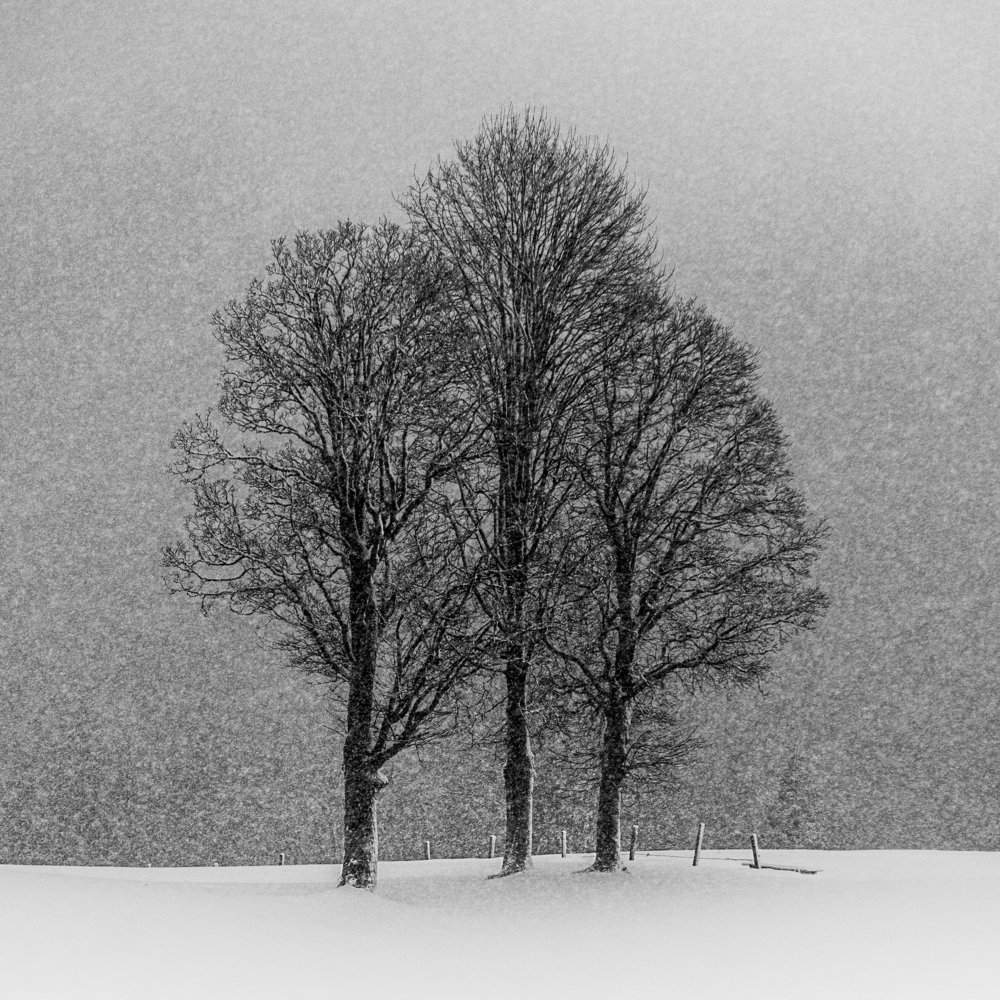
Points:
point(317, 497)
point(494, 443)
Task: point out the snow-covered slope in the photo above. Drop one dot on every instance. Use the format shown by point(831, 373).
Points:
point(869, 924)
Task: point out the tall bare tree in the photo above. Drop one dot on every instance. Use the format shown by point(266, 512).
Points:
point(545, 238)
point(693, 545)
point(318, 499)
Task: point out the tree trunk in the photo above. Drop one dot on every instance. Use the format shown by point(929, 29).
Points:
point(362, 781)
point(519, 771)
point(609, 798)
point(362, 787)
point(513, 519)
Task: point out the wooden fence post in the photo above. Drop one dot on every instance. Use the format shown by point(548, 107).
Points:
point(631, 845)
point(493, 845)
point(281, 858)
point(427, 850)
point(697, 843)
point(564, 843)
point(753, 846)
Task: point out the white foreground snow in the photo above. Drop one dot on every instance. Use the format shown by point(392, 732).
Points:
point(870, 924)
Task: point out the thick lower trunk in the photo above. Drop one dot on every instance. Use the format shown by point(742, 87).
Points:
point(609, 799)
point(362, 781)
point(362, 787)
point(516, 490)
point(519, 771)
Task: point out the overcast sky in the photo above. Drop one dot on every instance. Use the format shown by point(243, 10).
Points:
point(825, 177)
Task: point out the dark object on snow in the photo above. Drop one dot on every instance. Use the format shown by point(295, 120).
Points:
point(697, 843)
point(780, 868)
point(784, 868)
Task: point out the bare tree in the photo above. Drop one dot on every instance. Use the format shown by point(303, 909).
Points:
point(693, 546)
point(318, 502)
point(545, 240)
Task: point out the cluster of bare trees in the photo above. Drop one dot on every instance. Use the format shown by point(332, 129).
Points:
point(491, 449)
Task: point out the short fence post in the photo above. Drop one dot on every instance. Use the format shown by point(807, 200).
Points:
point(697, 843)
point(753, 845)
point(493, 845)
point(281, 858)
point(427, 850)
point(564, 843)
point(632, 843)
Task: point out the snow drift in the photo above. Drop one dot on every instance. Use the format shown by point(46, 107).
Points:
point(869, 924)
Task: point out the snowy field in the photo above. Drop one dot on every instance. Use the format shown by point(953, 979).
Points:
point(869, 924)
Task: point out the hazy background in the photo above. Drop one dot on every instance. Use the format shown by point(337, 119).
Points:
point(825, 178)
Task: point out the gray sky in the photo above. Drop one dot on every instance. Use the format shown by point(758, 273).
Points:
point(825, 177)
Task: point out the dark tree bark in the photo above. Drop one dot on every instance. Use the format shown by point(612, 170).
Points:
point(614, 771)
point(362, 788)
point(363, 783)
point(519, 769)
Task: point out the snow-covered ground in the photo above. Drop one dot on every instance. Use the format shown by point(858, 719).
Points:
point(869, 924)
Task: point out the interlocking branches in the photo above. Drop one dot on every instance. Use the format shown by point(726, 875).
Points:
point(545, 241)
